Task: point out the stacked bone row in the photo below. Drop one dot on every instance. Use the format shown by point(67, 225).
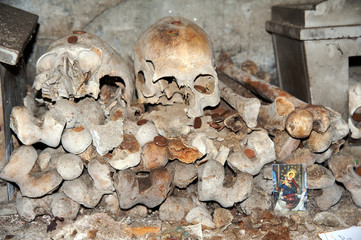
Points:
point(104, 137)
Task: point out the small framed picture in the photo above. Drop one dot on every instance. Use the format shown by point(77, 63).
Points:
point(289, 187)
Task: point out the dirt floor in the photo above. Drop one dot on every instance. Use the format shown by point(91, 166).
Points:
point(259, 225)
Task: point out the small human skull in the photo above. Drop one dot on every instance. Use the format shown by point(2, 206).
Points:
point(174, 63)
point(73, 66)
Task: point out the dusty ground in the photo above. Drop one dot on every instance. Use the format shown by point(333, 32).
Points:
point(259, 225)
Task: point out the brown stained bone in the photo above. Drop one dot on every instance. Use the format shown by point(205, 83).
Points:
point(299, 123)
point(271, 92)
point(248, 108)
point(176, 149)
point(153, 156)
point(272, 117)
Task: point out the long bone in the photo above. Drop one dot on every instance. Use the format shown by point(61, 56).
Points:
point(318, 118)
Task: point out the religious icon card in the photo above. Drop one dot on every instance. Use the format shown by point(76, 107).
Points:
point(289, 187)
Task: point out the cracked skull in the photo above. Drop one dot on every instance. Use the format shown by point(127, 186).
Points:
point(74, 65)
point(174, 63)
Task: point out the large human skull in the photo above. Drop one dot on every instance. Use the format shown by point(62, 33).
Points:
point(73, 66)
point(174, 63)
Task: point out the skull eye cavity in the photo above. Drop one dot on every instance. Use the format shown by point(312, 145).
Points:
point(46, 62)
point(205, 84)
point(89, 60)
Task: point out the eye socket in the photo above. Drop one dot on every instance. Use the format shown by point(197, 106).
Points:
point(89, 60)
point(205, 84)
point(46, 62)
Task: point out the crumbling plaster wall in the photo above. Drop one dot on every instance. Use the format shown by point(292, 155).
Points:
point(236, 26)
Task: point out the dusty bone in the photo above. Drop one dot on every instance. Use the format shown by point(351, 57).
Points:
point(271, 92)
point(248, 108)
point(329, 197)
point(151, 190)
point(153, 156)
point(211, 177)
point(22, 170)
point(108, 136)
point(30, 130)
point(200, 215)
point(170, 121)
point(343, 169)
point(175, 208)
point(263, 150)
point(91, 112)
point(302, 156)
point(101, 174)
point(143, 133)
point(319, 177)
point(83, 191)
point(184, 174)
point(74, 69)
point(56, 204)
point(285, 145)
point(165, 51)
point(127, 155)
point(319, 142)
point(177, 149)
point(69, 110)
point(76, 140)
point(299, 123)
point(273, 116)
point(69, 166)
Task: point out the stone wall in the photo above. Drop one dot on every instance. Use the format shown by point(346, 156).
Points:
point(236, 26)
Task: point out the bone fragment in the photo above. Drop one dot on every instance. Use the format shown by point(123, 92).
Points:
point(184, 174)
point(150, 190)
point(343, 169)
point(200, 215)
point(175, 208)
point(271, 92)
point(69, 166)
point(153, 156)
point(56, 204)
point(211, 177)
point(127, 155)
point(329, 197)
point(107, 137)
point(76, 140)
point(273, 116)
point(299, 123)
point(248, 108)
point(176, 149)
point(83, 191)
point(101, 174)
point(32, 182)
point(30, 130)
point(319, 177)
point(285, 145)
point(69, 110)
point(261, 151)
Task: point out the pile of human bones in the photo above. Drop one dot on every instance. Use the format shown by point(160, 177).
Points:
point(128, 133)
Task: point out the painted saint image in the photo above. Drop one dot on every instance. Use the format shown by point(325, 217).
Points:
point(289, 187)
